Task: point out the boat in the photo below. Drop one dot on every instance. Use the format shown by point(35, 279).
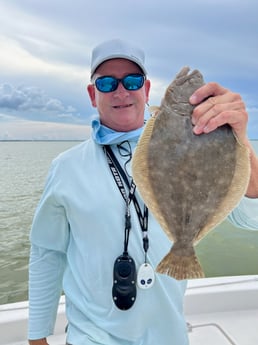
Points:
point(222, 311)
point(219, 311)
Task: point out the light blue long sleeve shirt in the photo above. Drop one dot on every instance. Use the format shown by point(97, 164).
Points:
point(77, 233)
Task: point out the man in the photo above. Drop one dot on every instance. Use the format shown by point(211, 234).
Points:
point(88, 236)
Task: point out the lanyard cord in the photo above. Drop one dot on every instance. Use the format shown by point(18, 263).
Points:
point(116, 169)
point(128, 218)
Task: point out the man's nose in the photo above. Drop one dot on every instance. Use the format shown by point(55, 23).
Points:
point(121, 89)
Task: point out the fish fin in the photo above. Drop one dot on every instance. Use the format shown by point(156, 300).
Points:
point(180, 267)
point(153, 110)
point(140, 171)
point(236, 190)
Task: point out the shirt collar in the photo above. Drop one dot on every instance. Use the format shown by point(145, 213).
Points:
point(107, 136)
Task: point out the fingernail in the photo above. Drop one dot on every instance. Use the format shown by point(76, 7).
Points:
point(193, 99)
point(197, 130)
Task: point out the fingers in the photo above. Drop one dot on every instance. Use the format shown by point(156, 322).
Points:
point(205, 91)
point(216, 112)
point(218, 107)
point(233, 117)
point(216, 104)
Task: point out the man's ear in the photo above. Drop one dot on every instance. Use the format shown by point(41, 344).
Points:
point(147, 89)
point(91, 92)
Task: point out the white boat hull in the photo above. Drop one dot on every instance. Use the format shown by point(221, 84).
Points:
point(219, 311)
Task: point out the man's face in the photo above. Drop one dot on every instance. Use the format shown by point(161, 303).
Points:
point(121, 110)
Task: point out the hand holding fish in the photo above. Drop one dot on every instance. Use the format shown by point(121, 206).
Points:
point(216, 106)
point(220, 107)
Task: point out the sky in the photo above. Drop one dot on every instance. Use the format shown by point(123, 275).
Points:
point(46, 48)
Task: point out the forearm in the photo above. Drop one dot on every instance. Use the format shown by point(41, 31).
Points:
point(245, 214)
point(42, 341)
point(252, 190)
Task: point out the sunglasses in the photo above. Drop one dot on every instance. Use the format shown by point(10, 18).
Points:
point(131, 82)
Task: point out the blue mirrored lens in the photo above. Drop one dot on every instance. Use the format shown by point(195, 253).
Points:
point(106, 84)
point(130, 82)
point(133, 81)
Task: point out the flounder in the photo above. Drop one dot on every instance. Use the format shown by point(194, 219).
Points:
point(189, 182)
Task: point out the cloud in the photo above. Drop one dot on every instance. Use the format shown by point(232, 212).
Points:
point(30, 99)
point(46, 45)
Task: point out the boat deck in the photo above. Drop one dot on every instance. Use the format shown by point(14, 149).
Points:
point(223, 311)
point(219, 311)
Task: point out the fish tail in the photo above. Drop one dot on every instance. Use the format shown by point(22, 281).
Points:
point(181, 267)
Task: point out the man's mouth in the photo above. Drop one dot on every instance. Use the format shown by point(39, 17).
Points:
point(122, 106)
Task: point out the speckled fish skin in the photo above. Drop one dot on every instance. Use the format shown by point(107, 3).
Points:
point(189, 182)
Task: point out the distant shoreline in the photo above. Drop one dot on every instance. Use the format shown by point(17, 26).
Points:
point(38, 140)
point(15, 140)
point(55, 140)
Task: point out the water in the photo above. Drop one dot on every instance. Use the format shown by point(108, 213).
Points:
point(23, 168)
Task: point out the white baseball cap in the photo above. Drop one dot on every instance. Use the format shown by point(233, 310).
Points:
point(115, 49)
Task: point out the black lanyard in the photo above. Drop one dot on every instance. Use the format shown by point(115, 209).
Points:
point(118, 172)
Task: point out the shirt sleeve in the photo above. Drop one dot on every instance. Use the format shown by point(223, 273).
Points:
point(45, 288)
point(245, 215)
point(50, 226)
point(49, 240)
